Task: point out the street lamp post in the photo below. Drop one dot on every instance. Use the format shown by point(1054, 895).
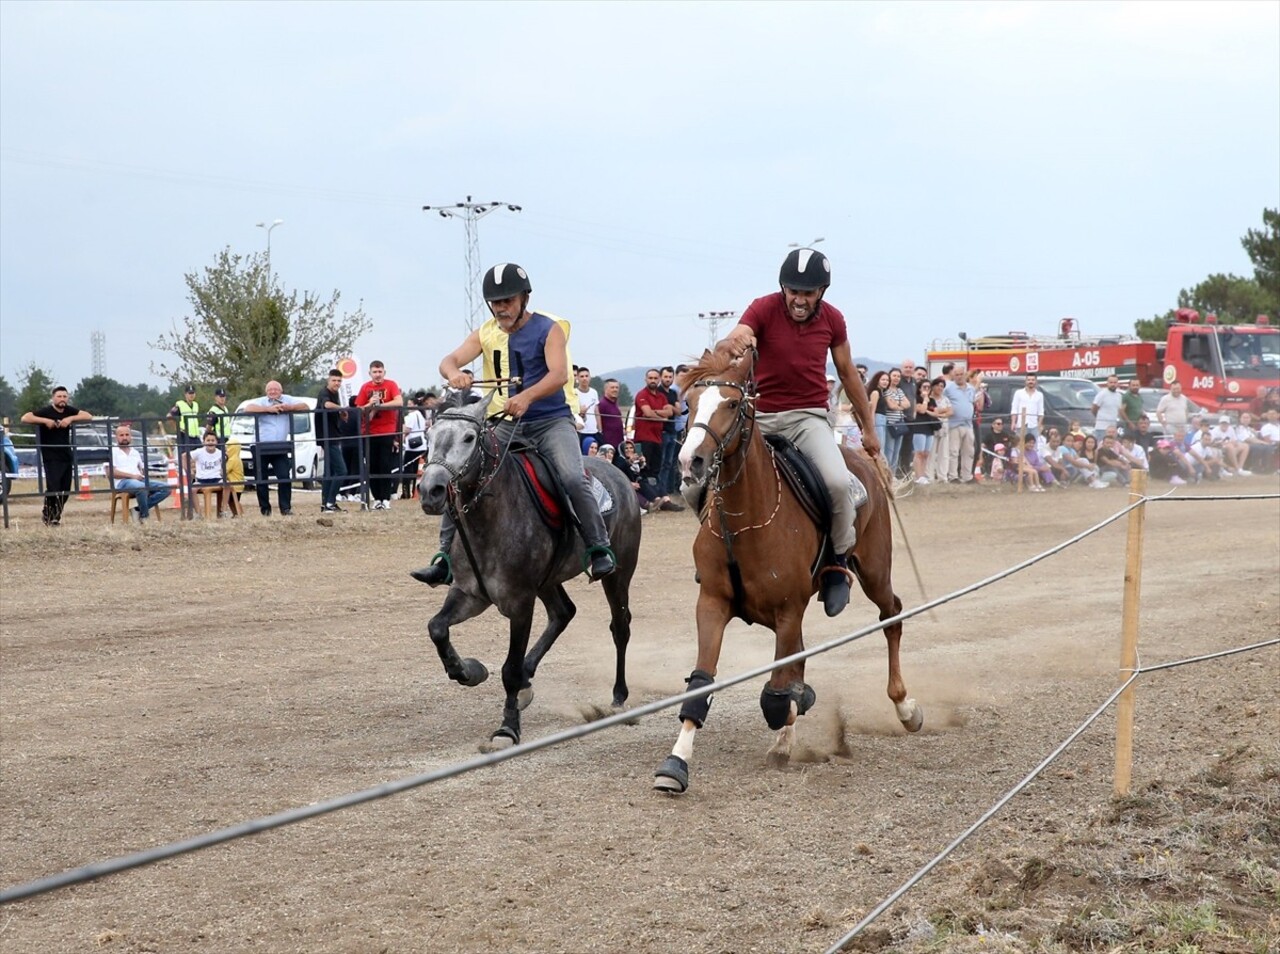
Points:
point(810, 245)
point(264, 225)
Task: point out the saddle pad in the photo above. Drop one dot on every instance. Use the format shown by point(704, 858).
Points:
point(548, 497)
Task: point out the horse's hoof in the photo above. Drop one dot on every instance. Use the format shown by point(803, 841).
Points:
point(619, 707)
point(473, 672)
point(497, 744)
point(672, 775)
point(915, 721)
point(524, 697)
point(778, 760)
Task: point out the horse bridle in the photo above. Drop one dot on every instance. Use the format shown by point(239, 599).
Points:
point(739, 427)
point(489, 452)
point(739, 421)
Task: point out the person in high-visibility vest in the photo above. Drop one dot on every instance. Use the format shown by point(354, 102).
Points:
point(186, 413)
point(218, 419)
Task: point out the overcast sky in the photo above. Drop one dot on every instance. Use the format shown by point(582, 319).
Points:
point(979, 167)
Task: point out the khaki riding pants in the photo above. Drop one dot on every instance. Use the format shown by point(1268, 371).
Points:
point(809, 431)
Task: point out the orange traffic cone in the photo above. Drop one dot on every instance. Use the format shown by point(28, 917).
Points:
point(172, 481)
point(86, 489)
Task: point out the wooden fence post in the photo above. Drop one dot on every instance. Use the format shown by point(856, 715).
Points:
point(1129, 632)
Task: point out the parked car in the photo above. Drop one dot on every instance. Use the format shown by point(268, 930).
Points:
point(308, 459)
point(1064, 401)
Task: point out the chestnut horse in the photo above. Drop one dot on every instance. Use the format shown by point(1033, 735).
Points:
point(756, 553)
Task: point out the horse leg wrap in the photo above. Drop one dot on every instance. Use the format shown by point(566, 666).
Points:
point(776, 706)
point(805, 698)
point(695, 710)
point(510, 727)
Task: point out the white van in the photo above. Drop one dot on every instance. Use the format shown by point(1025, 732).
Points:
point(308, 460)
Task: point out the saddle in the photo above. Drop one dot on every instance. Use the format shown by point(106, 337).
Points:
point(811, 490)
point(547, 495)
point(803, 479)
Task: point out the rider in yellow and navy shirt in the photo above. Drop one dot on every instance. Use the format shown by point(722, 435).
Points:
point(532, 347)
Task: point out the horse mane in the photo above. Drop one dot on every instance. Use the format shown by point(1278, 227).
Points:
point(712, 364)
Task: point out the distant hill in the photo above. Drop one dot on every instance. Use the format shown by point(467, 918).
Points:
point(633, 377)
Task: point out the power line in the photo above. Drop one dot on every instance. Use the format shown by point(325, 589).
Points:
point(714, 318)
point(471, 213)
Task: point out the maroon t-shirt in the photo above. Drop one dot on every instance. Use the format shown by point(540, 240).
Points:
point(792, 371)
point(648, 429)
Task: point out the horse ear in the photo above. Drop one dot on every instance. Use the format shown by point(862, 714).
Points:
point(706, 353)
point(478, 409)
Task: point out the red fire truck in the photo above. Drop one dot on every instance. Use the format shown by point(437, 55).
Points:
point(1221, 367)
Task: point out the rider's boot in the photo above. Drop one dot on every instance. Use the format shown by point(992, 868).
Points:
point(600, 560)
point(835, 587)
point(440, 570)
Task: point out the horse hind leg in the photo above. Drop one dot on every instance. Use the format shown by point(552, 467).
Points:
point(617, 592)
point(560, 612)
point(880, 592)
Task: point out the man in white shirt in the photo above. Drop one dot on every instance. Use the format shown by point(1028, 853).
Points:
point(1106, 407)
point(129, 473)
point(1270, 430)
point(1234, 451)
point(1134, 452)
point(1172, 409)
point(588, 409)
point(1027, 408)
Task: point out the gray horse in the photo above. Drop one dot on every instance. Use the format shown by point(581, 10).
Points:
point(504, 555)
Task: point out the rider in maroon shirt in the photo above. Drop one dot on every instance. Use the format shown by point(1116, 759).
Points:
point(794, 331)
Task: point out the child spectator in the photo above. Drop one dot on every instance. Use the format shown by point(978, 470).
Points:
point(1026, 465)
point(208, 465)
point(1113, 466)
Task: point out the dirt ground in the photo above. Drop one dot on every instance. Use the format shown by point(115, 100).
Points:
point(160, 682)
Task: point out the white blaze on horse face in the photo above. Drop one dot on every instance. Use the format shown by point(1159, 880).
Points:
point(708, 403)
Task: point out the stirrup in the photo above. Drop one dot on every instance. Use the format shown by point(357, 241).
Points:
point(588, 561)
point(427, 576)
point(836, 585)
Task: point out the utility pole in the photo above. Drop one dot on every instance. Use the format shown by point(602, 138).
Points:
point(98, 349)
point(471, 213)
point(715, 317)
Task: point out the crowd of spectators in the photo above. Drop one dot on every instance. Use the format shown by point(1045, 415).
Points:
point(930, 431)
point(937, 436)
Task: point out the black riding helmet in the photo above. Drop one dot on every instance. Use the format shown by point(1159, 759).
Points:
point(805, 269)
point(505, 281)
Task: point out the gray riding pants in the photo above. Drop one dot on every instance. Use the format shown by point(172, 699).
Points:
point(809, 431)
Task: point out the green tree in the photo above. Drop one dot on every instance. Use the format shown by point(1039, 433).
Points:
point(1233, 299)
point(1152, 329)
point(245, 330)
point(8, 400)
point(37, 387)
point(104, 396)
point(1263, 247)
